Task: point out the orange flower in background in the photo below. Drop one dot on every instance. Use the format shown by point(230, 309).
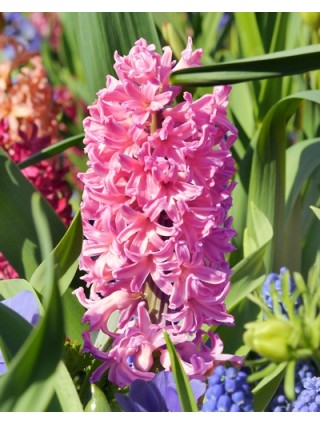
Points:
point(28, 123)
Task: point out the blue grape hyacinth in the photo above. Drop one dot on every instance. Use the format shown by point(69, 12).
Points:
point(309, 398)
point(228, 391)
point(280, 403)
point(277, 280)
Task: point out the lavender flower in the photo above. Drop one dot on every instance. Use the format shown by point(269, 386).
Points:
point(280, 403)
point(18, 26)
point(25, 304)
point(309, 399)
point(158, 395)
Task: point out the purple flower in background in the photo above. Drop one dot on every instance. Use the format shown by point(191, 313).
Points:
point(158, 395)
point(18, 26)
point(25, 304)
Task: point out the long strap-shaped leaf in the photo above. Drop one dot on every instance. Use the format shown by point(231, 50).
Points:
point(184, 390)
point(279, 64)
point(28, 385)
point(52, 150)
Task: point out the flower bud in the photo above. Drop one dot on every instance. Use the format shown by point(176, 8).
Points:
point(271, 338)
point(312, 19)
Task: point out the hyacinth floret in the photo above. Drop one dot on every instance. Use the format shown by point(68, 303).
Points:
point(228, 391)
point(155, 217)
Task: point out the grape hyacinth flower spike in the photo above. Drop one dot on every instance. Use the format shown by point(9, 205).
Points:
point(155, 218)
point(228, 391)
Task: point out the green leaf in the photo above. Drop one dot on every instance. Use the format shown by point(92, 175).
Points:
point(98, 401)
point(64, 256)
point(301, 160)
point(18, 236)
point(247, 274)
point(52, 150)
point(12, 324)
point(267, 181)
point(289, 378)
point(316, 211)
point(264, 391)
point(249, 35)
point(186, 397)
point(232, 336)
point(11, 287)
point(209, 30)
point(279, 64)
point(28, 385)
point(101, 34)
point(66, 391)
point(73, 312)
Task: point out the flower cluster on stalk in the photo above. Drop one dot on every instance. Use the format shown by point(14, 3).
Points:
point(155, 218)
point(29, 111)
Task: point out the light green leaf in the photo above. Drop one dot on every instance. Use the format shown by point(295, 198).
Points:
point(66, 391)
point(249, 35)
point(248, 273)
point(11, 287)
point(267, 181)
point(316, 211)
point(188, 403)
point(301, 160)
point(101, 34)
point(98, 401)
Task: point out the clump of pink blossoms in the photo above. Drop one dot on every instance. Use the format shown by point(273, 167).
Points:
point(155, 218)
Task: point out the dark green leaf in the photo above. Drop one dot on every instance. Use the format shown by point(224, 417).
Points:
point(28, 385)
point(279, 64)
point(264, 391)
point(65, 257)
point(52, 150)
point(18, 237)
point(13, 332)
